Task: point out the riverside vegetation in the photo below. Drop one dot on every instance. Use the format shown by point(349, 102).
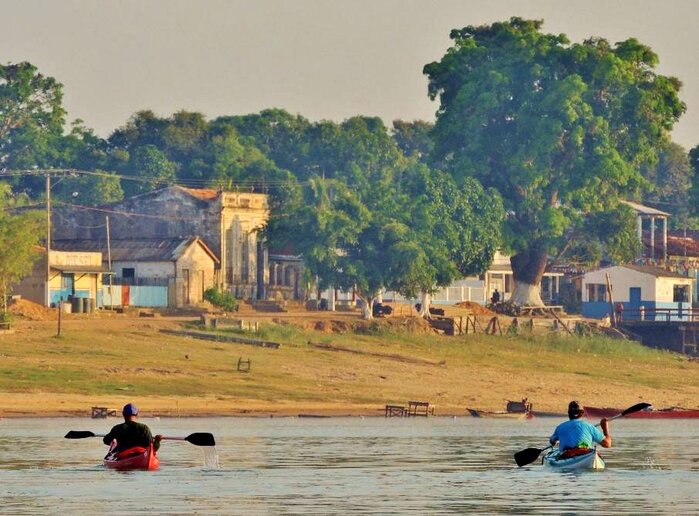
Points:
point(107, 361)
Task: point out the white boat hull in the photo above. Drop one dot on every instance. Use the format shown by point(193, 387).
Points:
point(591, 460)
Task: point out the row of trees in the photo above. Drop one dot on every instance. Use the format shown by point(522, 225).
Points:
point(536, 140)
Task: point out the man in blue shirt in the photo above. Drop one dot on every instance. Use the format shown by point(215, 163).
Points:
point(579, 434)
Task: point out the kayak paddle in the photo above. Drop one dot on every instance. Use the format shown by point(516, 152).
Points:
point(197, 438)
point(81, 434)
point(524, 457)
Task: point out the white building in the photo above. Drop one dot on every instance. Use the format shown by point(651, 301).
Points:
point(646, 293)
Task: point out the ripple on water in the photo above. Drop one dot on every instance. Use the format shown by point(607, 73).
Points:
point(343, 465)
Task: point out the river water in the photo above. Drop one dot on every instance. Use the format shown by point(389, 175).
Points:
point(347, 465)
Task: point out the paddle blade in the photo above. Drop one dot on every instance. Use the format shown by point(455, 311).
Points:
point(201, 439)
point(524, 457)
point(636, 408)
point(79, 434)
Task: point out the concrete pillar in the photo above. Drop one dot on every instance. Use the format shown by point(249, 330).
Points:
point(664, 239)
point(652, 238)
point(639, 231)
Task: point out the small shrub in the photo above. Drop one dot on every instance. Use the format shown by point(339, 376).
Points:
point(5, 317)
point(220, 299)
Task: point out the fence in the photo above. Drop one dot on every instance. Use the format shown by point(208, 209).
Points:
point(661, 314)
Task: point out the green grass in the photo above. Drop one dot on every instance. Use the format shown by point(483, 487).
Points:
point(134, 357)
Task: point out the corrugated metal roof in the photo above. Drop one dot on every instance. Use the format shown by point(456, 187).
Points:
point(646, 210)
point(93, 269)
point(137, 250)
point(205, 194)
point(654, 271)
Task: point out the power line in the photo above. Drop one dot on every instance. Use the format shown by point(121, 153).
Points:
point(211, 183)
point(125, 213)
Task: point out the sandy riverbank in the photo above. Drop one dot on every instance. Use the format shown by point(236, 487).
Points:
point(110, 361)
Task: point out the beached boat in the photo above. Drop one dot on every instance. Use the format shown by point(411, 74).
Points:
point(500, 414)
point(666, 413)
point(590, 460)
point(132, 459)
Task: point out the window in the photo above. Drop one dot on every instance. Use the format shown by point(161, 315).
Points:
point(596, 292)
point(680, 293)
point(128, 274)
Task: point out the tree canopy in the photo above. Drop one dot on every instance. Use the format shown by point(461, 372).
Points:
point(19, 238)
point(377, 219)
point(559, 129)
point(671, 183)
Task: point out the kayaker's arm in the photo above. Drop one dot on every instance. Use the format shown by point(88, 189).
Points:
point(156, 442)
point(607, 441)
point(107, 439)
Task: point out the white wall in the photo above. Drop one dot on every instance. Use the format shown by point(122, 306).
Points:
point(146, 269)
point(622, 279)
point(665, 288)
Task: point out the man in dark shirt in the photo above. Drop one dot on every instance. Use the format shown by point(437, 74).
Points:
point(130, 433)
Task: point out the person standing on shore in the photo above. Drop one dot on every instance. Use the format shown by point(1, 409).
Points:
point(576, 436)
point(130, 433)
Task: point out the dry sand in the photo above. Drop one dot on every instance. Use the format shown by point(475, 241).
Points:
point(486, 388)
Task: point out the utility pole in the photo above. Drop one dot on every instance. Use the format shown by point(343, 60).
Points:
point(109, 262)
point(48, 240)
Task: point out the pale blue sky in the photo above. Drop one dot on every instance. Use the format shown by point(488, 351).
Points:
point(323, 59)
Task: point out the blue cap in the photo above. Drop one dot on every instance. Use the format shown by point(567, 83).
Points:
point(130, 410)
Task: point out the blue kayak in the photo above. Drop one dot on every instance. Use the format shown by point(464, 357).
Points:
point(590, 460)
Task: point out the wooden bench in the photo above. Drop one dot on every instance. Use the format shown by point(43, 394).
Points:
point(395, 411)
point(103, 412)
point(539, 310)
point(244, 365)
point(420, 408)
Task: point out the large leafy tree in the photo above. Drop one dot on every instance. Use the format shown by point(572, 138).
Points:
point(31, 121)
point(694, 189)
point(560, 130)
point(376, 219)
point(457, 229)
point(671, 179)
point(414, 138)
point(19, 238)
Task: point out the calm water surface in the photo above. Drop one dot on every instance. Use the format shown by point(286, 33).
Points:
point(347, 465)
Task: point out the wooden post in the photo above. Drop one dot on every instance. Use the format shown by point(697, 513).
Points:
point(561, 322)
point(611, 302)
point(60, 314)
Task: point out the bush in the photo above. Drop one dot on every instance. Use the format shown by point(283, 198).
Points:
point(5, 317)
point(220, 299)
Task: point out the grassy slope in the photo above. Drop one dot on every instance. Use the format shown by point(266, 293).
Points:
point(107, 361)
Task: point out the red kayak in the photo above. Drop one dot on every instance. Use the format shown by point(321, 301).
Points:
point(133, 458)
point(666, 413)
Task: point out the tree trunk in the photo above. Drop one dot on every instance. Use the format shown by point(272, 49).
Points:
point(367, 306)
point(425, 302)
point(527, 269)
point(4, 298)
point(331, 301)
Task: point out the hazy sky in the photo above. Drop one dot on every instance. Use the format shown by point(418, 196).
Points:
point(323, 59)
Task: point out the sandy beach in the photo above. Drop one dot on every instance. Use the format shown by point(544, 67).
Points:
point(130, 359)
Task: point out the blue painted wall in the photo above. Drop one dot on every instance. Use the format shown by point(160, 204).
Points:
point(598, 309)
point(144, 296)
point(148, 296)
